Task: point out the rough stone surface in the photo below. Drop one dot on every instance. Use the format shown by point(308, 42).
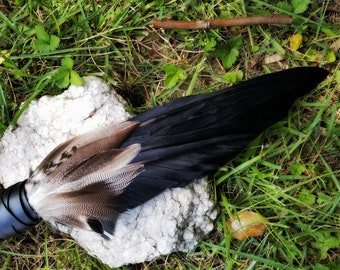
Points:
point(173, 221)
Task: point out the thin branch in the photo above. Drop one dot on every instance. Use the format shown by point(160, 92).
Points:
point(205, 24)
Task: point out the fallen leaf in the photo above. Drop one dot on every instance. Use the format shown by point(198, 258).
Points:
point(245, 224)
point(335, 45)
point(272, 58)
point(295, 42)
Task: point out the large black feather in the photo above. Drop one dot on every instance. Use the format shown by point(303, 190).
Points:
point(192, 136)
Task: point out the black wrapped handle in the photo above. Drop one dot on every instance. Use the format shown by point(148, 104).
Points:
point(16, 214)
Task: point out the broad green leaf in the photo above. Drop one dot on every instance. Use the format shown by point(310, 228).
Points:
point(66, 76)
point(41, 33)
point(306, 197)
point(228, 52)
point(233, 76)
point(330, 57)
point(297, 169)
point(44, 41)
point(41, 45)
point(54, 42)
point(230, 58)
point(75, 79)
point(285, 6)
point(325, 244)
point(332, 242)
point(173, 75)
point(169, 69)
point(67, 62)
point(255, 48)
point(210, 45)
point(62, 77)
point(300, 6)
point(235, 42)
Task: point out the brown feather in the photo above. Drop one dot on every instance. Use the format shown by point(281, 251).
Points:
point(79, 179)
point(98, 140)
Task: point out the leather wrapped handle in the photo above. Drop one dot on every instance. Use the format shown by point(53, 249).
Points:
point(16, 214)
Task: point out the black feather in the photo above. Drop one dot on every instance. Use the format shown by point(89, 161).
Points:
point(192, 136)
point(97, 176)
point(96, 225)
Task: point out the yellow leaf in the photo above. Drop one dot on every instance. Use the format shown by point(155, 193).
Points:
point(295, 42)
point(245, 224)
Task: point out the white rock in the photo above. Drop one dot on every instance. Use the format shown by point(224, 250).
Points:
point(173, 221)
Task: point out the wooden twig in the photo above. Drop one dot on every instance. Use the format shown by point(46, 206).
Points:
point(204, 24)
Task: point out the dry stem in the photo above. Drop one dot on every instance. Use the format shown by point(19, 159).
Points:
point(205, 24)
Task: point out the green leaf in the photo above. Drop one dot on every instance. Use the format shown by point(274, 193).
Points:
point(285, 6)
point(173, 75)
point(306, 197)
point(319, 266)
point(41, 33)
point(54, 42)
point(297, 169)
point(255, 48)
point(233, 76)
point(311, 54)
point(169, 69)
point(300, 6)
point(230, 58)
point(325, 244)
point(44, 41)
point(41, 45)
point(323, 198)
point(75, 79)
point(62, 77)
point(332, 242)
point(211, 43)
point(67, 63)
point(235, 42)
point(330, 57)
point(228, 52)
point(66, 76)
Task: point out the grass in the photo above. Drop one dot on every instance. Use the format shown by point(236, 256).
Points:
point(290, 175)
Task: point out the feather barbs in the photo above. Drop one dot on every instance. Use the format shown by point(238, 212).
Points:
point(79, 180)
